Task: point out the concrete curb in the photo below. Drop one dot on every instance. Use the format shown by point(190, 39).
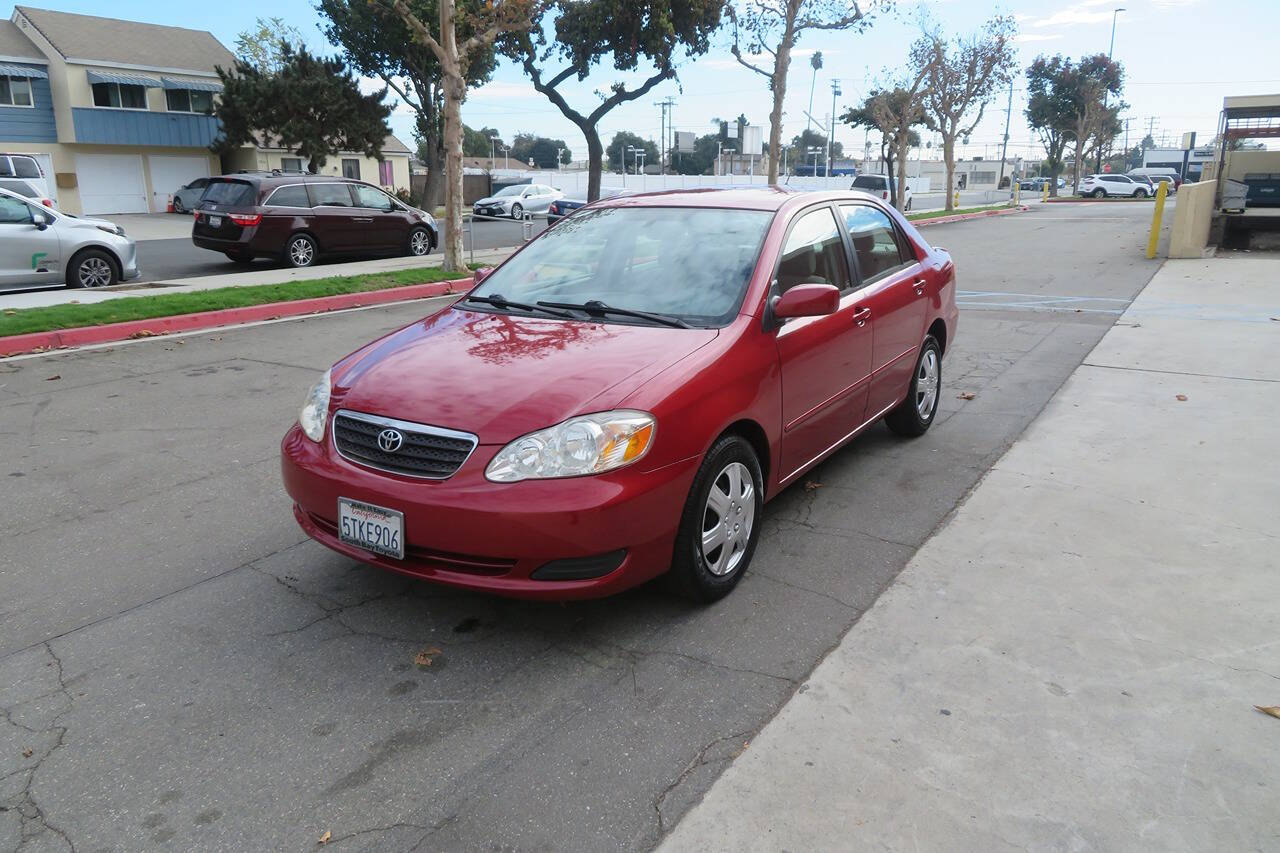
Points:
point(65, 338)
point(961, 217)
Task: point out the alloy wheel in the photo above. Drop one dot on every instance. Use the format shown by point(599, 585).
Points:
point(301, 252)
point(419, 243)
point(927, 384)
point(727, 519)
point(94, 272)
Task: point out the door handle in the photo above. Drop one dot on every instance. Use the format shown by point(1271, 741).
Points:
point(861, 316)
point(918, 284)
point(362, 218)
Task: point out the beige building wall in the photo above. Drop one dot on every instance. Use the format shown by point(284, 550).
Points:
point(369, 173)
point(1241, 163)
point(1189, 235)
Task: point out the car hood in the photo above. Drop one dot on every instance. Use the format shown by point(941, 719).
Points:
point(501, 376)
point(81, 222)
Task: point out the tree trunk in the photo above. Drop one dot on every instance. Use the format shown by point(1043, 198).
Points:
point(779, 82)
point(949, 157)
point(433, 147)
point(314, 164)
point(595, 158)
point(455, 88)
point(900, 197)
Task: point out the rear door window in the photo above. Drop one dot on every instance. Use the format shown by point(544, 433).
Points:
point(233, 193)
point(875, 243)
point(329, 195)
point(294, 196)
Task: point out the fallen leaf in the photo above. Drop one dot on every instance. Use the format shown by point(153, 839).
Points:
point(53, 377)
point(26, 753)
point(966, 395)
point(811, 485)
point(324, 839)
point(1181, 398)
point(143, 333)
point(1272, 710)
point(427, 657)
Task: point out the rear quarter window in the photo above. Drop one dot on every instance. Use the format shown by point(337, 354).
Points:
point(235, 193)
point(295, 196)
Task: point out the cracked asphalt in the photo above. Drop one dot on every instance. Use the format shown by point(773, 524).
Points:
point(181, 668)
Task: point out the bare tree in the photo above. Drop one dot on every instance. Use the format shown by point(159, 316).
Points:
point(960, 79)
point(773, 27)
point(893, 112)
point(486, 22)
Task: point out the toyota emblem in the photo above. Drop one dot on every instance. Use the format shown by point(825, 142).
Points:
point(389, 440)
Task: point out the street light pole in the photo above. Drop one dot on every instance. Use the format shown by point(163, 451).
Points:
point(835, 92)
point(1115, 13)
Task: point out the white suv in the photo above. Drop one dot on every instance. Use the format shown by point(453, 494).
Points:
point(1101, 186)
point(878, 186)
point(25, 167)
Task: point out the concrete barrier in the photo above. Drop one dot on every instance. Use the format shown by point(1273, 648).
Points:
point(1189, 236)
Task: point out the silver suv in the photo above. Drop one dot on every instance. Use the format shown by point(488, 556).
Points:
point(39, 246)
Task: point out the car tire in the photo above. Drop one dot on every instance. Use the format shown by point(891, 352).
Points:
point(517, 211)
point(1099, 193)
point(300, 251)
point(239, 258)
point(178, 206)
point(706, 573)
point(92, 268)
point(420, 242)
point(915, 414)
point(1140, 194)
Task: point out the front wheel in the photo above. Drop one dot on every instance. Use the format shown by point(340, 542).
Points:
point(517, 211)
point(1140, 194)
point(178, 206)
point(420, 242)
point(92, 268)
point(300, 251)
point(720, 524)
point(1098, 193)
point(914, 415)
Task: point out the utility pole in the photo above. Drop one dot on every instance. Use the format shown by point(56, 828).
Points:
point(835, 92)
point(1115, 13)
point(665, 146)
point(1004, 149)
point(1126, 145)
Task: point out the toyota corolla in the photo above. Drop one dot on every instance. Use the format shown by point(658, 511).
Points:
point(620, 398)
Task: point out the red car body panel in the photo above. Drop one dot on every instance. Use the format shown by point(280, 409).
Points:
point(798, 392)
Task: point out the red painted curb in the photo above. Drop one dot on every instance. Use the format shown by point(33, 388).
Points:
point(961, 217)
point(61, 338)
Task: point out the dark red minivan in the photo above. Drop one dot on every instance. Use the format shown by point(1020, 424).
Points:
point(298, 218)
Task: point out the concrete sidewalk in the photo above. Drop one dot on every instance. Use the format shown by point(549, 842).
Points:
point(248, 278)
point(1073, 660)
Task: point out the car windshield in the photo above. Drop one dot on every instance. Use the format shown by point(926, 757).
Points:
point(506, 191)
point(229, 192)
point(689, 263)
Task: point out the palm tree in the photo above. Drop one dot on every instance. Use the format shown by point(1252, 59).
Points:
point(816, 62)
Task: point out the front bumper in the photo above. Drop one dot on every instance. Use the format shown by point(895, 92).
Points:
point(129, 269)
point(468, 532)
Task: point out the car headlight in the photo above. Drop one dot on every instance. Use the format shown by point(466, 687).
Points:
point(590, 444)
point(315, 409)
point(112, 229)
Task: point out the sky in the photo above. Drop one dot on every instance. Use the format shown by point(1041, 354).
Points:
point(1181, 57)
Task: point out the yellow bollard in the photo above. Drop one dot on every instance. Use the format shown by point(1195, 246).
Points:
point(1154, 239)
point(955, 200)
point(1046, 192)
point(1016, 187)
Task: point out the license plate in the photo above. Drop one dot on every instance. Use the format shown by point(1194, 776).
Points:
point(372, 528)
point(215, 221)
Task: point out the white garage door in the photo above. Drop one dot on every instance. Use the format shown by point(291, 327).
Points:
point(170, 174)
point(111, 183)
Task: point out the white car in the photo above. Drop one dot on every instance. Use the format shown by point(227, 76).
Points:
point(878, 186)
point(1101, 186)
point(515, 201)
point(40, 247)
point(24, 166)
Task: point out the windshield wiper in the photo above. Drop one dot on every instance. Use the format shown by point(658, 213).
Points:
point(595, 306)
point(497, 300)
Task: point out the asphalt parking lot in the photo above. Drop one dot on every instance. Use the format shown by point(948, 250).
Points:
point(181, 667)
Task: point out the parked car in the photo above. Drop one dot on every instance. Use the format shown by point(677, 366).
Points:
point(1156, 180)
point(1100, 186)
point(517, 200)
point(1030, 184)
point(878, 185)
point(1154, 172)
point(1145, 182)
point(40, 246)
point(562, 207)
point(27, 168)
point(618, 399)
point(187, 198)
point(26, 190)
point(300, 218)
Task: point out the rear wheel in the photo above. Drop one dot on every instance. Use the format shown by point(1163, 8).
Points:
point(914, 415)
point(420, 242)
point(1098, 193)
point(721, 522)
point(92, 268)
point(300, 251)
point(1140, 194)
point(178, 206)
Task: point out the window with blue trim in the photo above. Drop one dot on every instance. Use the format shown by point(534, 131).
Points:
point(189, 101)
point(15, 92)
point(124, 95)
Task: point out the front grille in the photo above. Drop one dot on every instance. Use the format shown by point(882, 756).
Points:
point(425, 451)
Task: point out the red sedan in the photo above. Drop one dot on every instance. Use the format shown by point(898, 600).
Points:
point(623, 394)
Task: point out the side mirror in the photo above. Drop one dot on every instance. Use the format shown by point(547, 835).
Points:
point(807, 300)
point(39, 220)
point(481, 274)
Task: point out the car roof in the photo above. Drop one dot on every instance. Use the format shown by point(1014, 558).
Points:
point(771, 198)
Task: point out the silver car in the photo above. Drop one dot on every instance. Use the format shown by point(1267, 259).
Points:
point(516, 201)
point(186, 199)
point(42, 247)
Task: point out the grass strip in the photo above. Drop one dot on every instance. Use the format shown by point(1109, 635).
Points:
point(934, 214)
point(125, 308)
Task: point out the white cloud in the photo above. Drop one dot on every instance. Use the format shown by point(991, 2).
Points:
point(1026, 38)
point(1074, 15)
point(719, 64)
